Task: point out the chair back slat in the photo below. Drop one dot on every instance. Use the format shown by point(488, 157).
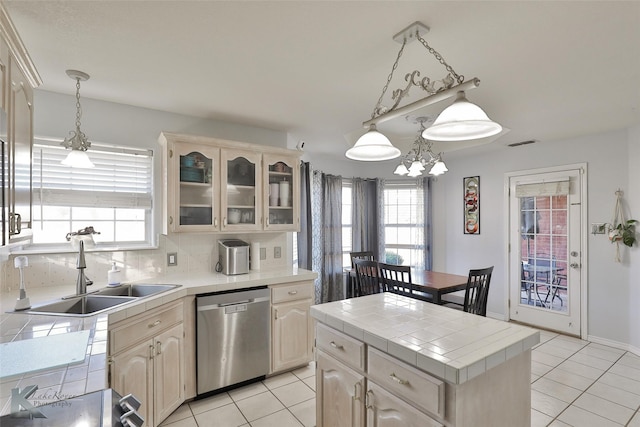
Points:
point(367, 278)
point(366, 255)
point(396, 279)
point(477, 291)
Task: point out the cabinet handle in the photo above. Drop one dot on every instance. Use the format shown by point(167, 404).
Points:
point(276, 314)
point(336, 346)
point(151, 351)
point(170, 154)
point(293, 292)
point(398, 380)
point(356, 395)
point(215, 221)
point(266, 221)
point(368, 399)
point(224, 222)
point(158, 348)
point(154, 324)
point(170, 220)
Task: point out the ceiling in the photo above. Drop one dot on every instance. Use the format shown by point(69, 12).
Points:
point(315, 69)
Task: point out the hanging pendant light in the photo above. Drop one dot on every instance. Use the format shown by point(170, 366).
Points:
point(77, 140)
point(461, 121)
point(373, 146)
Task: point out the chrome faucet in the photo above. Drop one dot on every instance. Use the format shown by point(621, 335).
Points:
point(82, 282)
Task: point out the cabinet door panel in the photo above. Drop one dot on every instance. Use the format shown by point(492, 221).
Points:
point(291, 334)
point(387, 410)
point(169, 372)
point(194, 202)
point(131, 372)
point(282, 195)
point(241, 195)
point(339, 394)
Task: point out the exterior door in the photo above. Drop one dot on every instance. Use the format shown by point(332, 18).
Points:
point(546, 249)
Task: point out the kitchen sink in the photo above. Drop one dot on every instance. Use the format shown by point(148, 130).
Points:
point(138, 290)
point(80, 306)
point(98, 301)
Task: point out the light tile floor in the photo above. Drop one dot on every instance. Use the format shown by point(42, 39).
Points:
point(573, 383)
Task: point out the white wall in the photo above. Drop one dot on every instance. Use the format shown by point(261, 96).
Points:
point(612, 159)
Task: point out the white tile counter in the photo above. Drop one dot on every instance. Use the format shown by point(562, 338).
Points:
point(447, 343)
point(61, 382)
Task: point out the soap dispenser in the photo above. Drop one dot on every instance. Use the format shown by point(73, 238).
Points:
point(114, 276)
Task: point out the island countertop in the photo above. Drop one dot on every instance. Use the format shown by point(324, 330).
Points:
point(448, 343)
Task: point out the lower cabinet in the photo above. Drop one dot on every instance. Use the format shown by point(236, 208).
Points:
point(151, 366)
point(291, 326)
point(386, 410)
point(339, 393)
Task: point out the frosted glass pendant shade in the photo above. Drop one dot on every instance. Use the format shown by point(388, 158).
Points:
point(438, 168)
point(78, 159)
point(373, 146)
point(461, 121)
point(401, 170)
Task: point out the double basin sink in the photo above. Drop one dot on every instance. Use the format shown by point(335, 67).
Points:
point(99, 301)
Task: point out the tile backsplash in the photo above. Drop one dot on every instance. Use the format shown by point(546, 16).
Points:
point(196, 253)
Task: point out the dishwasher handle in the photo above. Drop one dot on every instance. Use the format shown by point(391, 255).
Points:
point(215, 306)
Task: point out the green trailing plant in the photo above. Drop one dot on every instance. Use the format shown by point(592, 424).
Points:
point(624, 232)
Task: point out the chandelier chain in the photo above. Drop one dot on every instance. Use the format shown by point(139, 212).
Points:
point(458, 77)
point(389, 78)
point(78, 106)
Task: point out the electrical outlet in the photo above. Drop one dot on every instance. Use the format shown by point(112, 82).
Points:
point(277, 252)
point(263, 253)
point(598, 228)
point(172, 259)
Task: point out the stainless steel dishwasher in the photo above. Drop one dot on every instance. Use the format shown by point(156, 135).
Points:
point(232, 338)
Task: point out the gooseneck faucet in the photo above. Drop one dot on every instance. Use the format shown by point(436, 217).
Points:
point(82, 282)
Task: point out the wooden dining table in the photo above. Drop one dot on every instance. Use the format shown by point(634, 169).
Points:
point(433, 283)
point(437, 284)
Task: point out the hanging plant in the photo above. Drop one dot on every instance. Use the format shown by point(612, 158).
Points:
point(623, 232)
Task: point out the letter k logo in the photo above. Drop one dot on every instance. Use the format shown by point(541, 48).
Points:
point(19, 400)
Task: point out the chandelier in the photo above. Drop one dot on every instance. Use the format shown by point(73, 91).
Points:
point(77, 140)
point(420, 157)
point(459, 122)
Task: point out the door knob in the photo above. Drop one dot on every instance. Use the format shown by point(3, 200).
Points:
point(574, 265)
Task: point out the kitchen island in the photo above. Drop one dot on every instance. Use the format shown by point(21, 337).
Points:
point(386, 359)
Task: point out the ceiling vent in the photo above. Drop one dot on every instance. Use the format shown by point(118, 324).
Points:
point(517, 144)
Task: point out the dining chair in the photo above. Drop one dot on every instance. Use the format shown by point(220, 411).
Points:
point(396, 279)
point(367, 278)
point(476, 292)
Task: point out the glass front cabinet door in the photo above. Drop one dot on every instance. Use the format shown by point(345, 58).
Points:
point(196, 188)
point(281, 199)
point(241, 194)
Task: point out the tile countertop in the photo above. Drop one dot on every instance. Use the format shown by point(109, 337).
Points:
point(74, 379)
point(448, 343)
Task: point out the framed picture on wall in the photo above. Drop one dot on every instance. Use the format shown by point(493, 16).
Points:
point(471, 215)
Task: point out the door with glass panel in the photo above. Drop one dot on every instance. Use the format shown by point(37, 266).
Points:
point(546, 249)
point(241, 190)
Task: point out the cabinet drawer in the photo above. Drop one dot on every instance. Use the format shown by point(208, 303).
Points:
point(425, 391)
point(293, 292)
point(140, 328)
point(341, 346)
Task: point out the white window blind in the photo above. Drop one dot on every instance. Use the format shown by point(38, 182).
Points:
point(558, 188)
point(122, 177)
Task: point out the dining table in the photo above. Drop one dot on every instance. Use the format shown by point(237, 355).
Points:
point(429, 282)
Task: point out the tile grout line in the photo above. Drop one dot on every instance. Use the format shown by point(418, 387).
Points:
point(584, 391)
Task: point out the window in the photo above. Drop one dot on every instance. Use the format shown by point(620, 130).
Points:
point(115, 197)
point(404, 223)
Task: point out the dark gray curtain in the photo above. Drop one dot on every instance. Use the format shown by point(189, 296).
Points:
point(367, 216)
point(305, 249)
point(428, 231)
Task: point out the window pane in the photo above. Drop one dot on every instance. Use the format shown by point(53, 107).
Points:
point(130, 214)
point(132, 231)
